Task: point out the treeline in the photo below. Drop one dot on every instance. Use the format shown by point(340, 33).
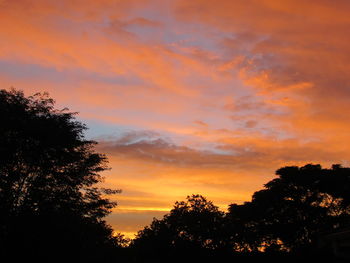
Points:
point(52, 210)
point(287, 219)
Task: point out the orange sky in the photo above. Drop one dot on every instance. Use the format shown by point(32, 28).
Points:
point(187, 97)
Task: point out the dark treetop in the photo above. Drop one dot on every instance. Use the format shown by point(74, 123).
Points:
point(49, 204)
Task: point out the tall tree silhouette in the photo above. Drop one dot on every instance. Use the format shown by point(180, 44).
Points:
point(293, 209)
point(49, 204)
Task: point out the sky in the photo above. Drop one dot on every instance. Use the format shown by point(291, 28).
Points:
point(188, 97)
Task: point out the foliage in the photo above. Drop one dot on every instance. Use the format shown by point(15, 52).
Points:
point(286, 217)
point(294, 209)
point(48, 173)
point(192, 225)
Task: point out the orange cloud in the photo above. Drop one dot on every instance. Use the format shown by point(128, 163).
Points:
point(232, 89)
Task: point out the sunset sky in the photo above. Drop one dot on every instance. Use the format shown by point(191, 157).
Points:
point(189, 96)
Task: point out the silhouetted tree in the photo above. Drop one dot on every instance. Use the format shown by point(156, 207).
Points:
point(192, 226)
point(293, 209)
point(49, 204)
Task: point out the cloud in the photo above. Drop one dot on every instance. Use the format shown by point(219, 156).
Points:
point(129, 223)
point(294, 54)
point(292, 47)
point(232, 154)
point(149, 147)
point(215, 95)
point(154, 172)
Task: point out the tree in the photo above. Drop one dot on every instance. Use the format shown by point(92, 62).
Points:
point(293, 210)
point(191, 226)
point(48, 176)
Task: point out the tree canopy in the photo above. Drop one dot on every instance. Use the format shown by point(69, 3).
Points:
point(191, 227)
point(294, 209)
point(49, 200)
point(289, 215)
